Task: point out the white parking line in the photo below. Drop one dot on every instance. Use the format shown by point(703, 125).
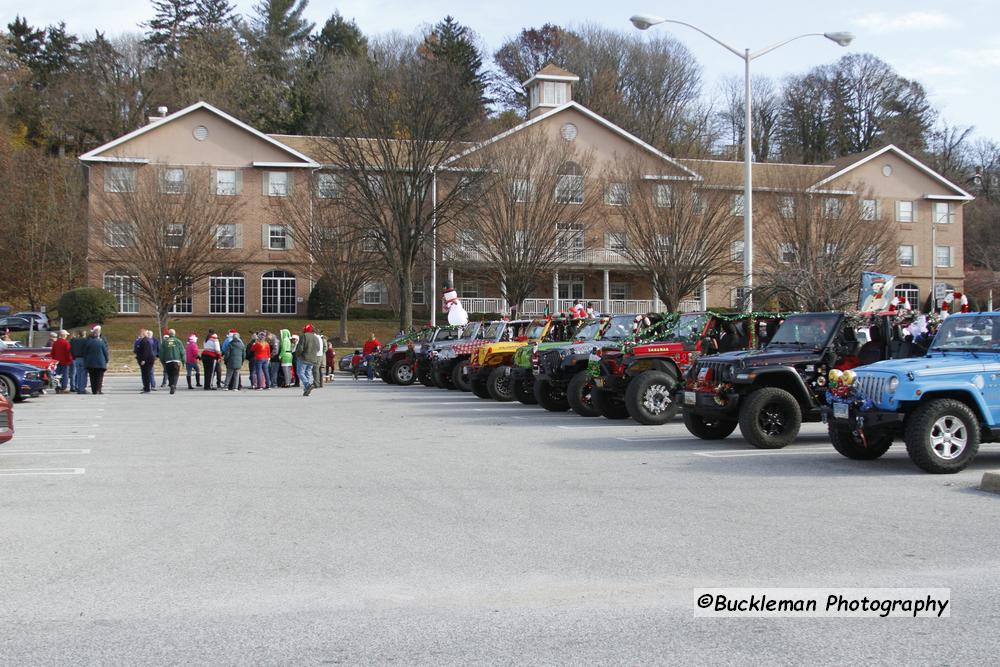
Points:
point(57, 436)
point(28, 472)
point(42, 452)
point(643, 438)
point(764, 452)
point(577, 428)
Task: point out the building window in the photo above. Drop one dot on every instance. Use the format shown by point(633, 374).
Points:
point(616, 241)
point(276, 183)
point(468, 289)
point(832, 207)
point(569, 184)
point(869, 209)
point(376, 185)
point(172, 181)
point(569, 236)
point(698, 202)
point(738, 297)
point(468, 239)
point(738, 204)
point(786, 207)
point(663, 195)
point(119, 179)
point(619, 291)
point(788, 253)
point(117, 234)
point(227, 237)
point(371, 294)
point(467, 188)
point(123, 287)
point(227, 293)
point(522, 190)
point(277, 293)
point(910, 292)
point(174, 236)
point(904, 211)
point(554, 93)
point(227, 182)
point(944, 212)
point(616, 194)
point(943, 256)
point(278, 237)
point(906, 255)
point(369, 241)
point(418, 294)
point(871, 255)
point(183, 304)
point(327, 186)
point(736, 251)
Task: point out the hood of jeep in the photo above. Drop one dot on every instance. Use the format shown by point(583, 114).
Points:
point(651, 349)
point(933, 364)
point(755, 358)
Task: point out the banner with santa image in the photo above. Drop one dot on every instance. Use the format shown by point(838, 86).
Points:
point(876, 292)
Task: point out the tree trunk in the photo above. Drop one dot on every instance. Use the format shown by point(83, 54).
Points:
point(343, 321)
point(406, 298)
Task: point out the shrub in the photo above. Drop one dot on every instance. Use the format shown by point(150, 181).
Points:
point(86, 305)
point(323, 304)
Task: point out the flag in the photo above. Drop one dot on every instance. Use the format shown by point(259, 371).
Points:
point(876, 291)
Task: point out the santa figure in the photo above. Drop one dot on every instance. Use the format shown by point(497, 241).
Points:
point(457, 317)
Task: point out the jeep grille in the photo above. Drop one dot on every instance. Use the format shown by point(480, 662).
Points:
point(722, 371)
point(872, 387)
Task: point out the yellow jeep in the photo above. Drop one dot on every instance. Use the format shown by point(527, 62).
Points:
point(490, 368)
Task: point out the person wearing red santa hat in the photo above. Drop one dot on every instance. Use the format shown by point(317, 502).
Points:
point(210, 357)
point(307, 351)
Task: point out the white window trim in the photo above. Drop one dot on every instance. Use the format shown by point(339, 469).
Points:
point(270, 237)
point(899, 211)
point(616, 194)
point(913, 255)
point(951, 257)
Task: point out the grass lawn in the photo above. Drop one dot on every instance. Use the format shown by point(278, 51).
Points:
point(121, 332)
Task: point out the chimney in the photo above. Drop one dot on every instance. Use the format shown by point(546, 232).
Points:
point(551, 87)
point(161, 113)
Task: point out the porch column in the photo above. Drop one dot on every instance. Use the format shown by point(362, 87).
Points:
point(504, 306)
point(656, 297)
point(555, 293)
point(704, 294)
point(451, 277)
point(607, 292)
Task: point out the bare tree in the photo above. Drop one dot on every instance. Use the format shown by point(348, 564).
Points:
point(339, 251)
point(765, 108)
point(396, 119)
point(166, 232)
point(527, 213)
point(678, 232)
point(812, 247)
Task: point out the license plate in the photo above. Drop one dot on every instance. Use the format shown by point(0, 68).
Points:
point(840, 411)
point(690, 398)
point(598, 382)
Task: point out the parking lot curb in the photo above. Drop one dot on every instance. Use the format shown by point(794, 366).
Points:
point(991, 482)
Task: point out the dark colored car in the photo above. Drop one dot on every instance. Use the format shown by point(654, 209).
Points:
point(428, 372)
point(20, 381)
point(397, 359)
point(14, 323)
point(41, 320)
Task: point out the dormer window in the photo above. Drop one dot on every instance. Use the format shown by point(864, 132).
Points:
point(551, 87)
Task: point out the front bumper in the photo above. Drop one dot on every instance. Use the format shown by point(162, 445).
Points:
point(726, 405)
point(614, 384)
point(522, 374)
point(856, 418)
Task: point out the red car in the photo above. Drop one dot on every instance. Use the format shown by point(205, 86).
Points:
point(39, 357)
point(6, 420)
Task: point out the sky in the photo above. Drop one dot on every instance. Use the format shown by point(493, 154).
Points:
point(954, 54)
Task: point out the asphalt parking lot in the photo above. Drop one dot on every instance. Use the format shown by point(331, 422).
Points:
point(369, 524)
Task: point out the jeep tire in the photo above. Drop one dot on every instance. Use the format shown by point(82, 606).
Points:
point(479, 388)
point(500, 384)
point(460, 376)
point(524, 390)
point(851, 446)
point(607, 404)
point(550, 397)
point(425, 374)
point(942, 436)
point(708, 428)
point(649, 397)
point(402, 373)
point(770, 418)
point(578, 394)
point(442, 379)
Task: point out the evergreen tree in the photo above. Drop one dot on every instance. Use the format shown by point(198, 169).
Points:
point(25, 42)
point(277, 32)
point(339, 37)
point(213, 14)
point(452, 44)
point(172, 21)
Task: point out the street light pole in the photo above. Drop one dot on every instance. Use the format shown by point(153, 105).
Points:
point(644, 22)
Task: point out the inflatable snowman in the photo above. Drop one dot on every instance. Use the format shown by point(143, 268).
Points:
point(457, 317)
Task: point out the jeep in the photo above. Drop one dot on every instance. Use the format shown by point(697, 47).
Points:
point(396, 359)
point(424, 364)
point(942, 405)
point(491, 367)
point(453, 362)
point(770, 392)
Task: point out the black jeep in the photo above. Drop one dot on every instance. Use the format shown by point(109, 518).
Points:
point(770, 392)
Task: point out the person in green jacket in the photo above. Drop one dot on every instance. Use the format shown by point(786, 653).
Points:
point(285, 353)
point(234, 356)
point(171, 356)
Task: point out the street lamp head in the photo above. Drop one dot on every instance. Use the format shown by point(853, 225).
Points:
point(645, 21)
point(841, 38)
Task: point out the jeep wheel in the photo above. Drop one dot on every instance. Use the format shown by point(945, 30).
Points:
point(8, 388)
point(550, 397)
point(578, 394)
point(424, 374)
point(402, 373)
point(460, 376)
point(708, 428)
point(479, 388)
point(385, 377)
point(608, 405)
point(851, 446)
point(524, 390)
point(500, 384)
point(649, 397)
point(442, 379)
point(942, 436)
point(770, 418)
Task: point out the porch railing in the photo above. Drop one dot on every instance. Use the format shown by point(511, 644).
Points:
point(533, 307)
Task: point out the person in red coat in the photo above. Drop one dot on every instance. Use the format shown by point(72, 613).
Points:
point(62, 355)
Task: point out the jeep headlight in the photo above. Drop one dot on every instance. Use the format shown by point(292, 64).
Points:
point(893, 384)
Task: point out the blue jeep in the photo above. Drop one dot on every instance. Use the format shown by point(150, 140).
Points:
point(942, 405)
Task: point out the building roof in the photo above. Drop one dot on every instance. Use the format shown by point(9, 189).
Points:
point(321, 149)
point(766, 175)
point(849, 162)
point(553, 73)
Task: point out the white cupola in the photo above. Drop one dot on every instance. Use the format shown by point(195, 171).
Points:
point(551, 87)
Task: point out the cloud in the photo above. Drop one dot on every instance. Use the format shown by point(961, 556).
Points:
point(983, 57)
point(881, 22)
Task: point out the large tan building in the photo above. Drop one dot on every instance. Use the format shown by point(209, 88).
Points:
point(273, 277)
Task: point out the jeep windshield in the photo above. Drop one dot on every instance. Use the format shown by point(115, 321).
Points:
point(494, 330)
point(589, 330)
point(980, 333)
point(687, 329)
point(809, 330)
point(534, 332)
point(618, 327)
